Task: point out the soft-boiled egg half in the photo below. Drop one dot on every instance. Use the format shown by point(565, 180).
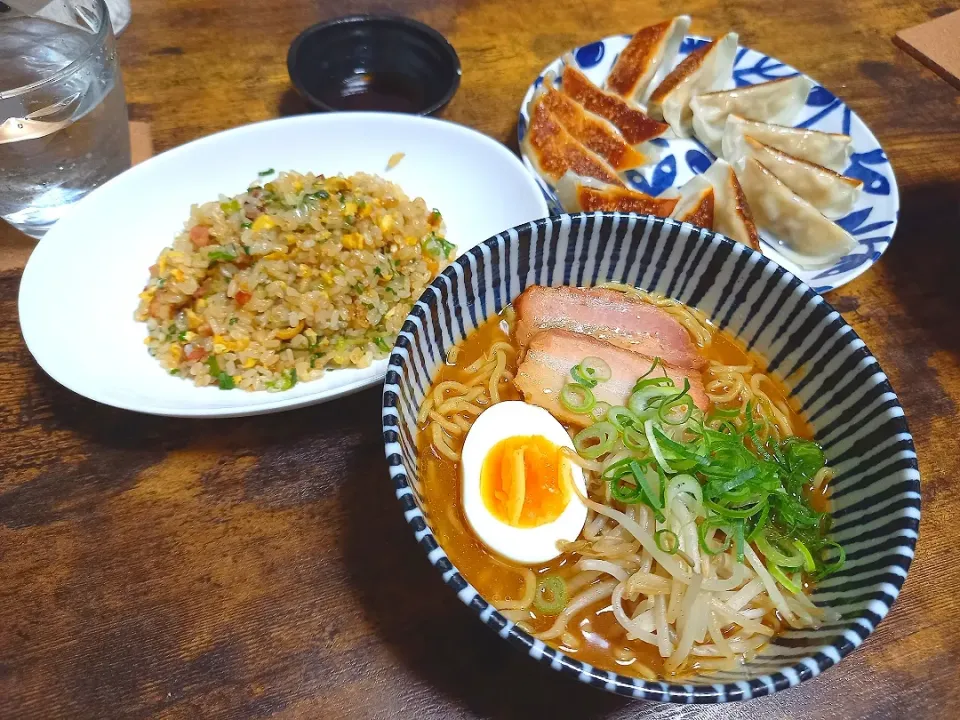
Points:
point(514, 493)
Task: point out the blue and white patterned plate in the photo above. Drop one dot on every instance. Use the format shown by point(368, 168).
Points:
point(872, 222)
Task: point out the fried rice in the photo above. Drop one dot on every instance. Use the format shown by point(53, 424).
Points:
point(293, 277)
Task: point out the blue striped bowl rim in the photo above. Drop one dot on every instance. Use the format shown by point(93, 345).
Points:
point(826, 367)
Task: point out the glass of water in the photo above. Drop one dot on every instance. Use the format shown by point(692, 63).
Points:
point(63, 115)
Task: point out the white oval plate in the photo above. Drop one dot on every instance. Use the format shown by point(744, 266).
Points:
point(79, 289)
point(872, 221)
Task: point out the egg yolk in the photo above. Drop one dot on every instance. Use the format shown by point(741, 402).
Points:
point(520, 481)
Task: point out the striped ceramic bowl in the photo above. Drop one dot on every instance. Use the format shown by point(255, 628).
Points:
point(833, 376)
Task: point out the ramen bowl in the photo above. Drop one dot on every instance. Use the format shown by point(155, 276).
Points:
point(827, 370)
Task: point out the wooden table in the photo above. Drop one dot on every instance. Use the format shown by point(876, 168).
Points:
point(245, 568)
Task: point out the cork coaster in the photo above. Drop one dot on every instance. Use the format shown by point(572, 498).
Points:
point(141, 142)
point(15, 247)
point(936, 44)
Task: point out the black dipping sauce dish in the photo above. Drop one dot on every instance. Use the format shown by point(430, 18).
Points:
point(370, 62)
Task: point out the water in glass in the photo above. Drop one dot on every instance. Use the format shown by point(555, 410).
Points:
point(63, 120)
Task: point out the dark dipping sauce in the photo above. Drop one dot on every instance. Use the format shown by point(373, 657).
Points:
point(390, 64)
point(390, 91)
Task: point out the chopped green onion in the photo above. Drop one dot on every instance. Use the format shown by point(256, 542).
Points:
point(760, 523)
point(727, 428)
point(623, 418)
point(600, 409)
point(679, 450)
point(683, 399)
point(635, 439)
point(380, 343)
point(684, 484)
point(648, 429)
point(577, 398)
point(652, 499)
point(738, 542)
point(175, 371)
point(223, 254)
point(582, 378)
point(231, 207)
point(662, 481)
point(628, 484)
point(287, 380)
point(803, 459)
point(730, 469)
point(246, 225)
point(225, 381)
point(702, 530)
point(832, 567)
point(782, 578)
point(596, 440)
point(625, 489)
point(642, 399)
point(670, 545)
point(721, 488)
point(718, 413)
point(653, 366)
point(794, 512)
point(616, 470)
point(551, 595)
point(767, 545)
point(596, 368)
point(438, 246)
point(808, 562)
point(268, 171)
point(654, 382)
point(233, 321)
point(738, 513)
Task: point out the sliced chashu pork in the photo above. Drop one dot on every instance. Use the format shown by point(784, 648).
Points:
point(607, 315)
point(551, 354)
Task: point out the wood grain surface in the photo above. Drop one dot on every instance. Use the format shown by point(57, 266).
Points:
point(261, 567)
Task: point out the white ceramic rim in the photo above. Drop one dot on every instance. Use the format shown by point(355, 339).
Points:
point(31, 284)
